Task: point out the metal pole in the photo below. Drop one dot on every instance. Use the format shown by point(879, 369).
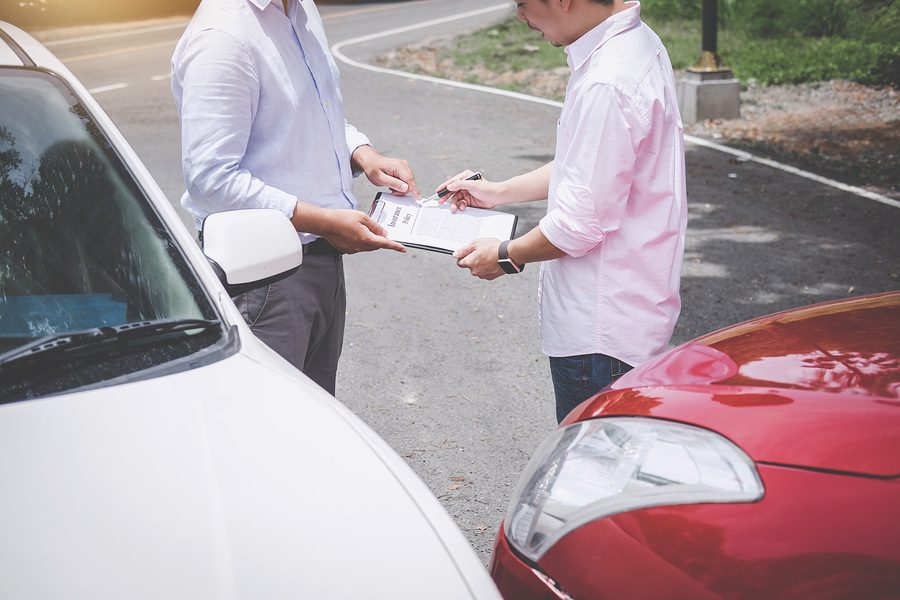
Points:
point(710, 26)
point(709, 58)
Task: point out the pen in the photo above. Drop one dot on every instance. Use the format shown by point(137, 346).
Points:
point(445, 191)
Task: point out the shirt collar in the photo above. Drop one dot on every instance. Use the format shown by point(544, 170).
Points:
point(262, 4)
point(581, 49)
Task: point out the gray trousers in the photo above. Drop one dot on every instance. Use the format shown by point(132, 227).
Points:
point(302, 316)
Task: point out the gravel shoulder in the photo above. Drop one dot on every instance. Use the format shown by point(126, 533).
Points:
point(838, 129)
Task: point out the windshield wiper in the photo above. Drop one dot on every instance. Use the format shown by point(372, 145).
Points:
point(74, 341)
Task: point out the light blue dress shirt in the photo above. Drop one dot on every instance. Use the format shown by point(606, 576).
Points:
point(262, 122)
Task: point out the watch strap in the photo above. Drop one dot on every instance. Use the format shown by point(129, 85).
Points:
point(505, 262)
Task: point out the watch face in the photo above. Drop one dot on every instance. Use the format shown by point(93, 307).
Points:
point(508, 266)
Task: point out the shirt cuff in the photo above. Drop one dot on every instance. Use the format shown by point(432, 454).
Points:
point(280, 200)
point(567, 234)
point(355, 139)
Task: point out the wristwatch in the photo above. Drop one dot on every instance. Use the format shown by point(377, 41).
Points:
point(505, 262)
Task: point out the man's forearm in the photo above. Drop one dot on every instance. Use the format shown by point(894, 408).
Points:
point(313, 219)
point(528, 187)
point(533, 247)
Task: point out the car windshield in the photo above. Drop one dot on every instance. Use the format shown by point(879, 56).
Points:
point(80, 245)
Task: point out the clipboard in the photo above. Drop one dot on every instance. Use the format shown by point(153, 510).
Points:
point(433, 227)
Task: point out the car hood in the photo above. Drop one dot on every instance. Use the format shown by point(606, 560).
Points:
point(232, 480)
point(816, 387)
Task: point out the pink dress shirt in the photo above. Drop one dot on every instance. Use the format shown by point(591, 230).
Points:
point(617, 204)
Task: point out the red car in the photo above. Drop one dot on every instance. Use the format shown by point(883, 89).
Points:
point(759, 461)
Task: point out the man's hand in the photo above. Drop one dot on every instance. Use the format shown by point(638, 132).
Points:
point(480, 257)
point(383, 171)
point(479, 193)
point(349, 231)
point(352, 231)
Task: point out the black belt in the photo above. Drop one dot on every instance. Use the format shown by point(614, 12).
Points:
point(319, 247)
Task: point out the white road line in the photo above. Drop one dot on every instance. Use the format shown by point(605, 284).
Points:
point(117, 52)
point(793, 170)
point(116, 34)
point(337, 51)
point(161, 77)
point(108, 88)
point(361, 11)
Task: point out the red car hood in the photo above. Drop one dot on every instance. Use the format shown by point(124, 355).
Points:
point(816, 387)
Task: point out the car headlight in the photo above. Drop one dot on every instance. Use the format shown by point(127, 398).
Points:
point(590, 470)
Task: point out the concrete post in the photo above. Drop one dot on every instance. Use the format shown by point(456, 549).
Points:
point(709, 95)
point(708, 90)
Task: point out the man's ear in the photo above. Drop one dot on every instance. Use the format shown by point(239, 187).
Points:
point(565, 5)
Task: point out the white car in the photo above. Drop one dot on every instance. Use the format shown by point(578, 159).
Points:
point(150, 445)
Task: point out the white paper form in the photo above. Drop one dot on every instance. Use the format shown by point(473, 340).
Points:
point(433, 227)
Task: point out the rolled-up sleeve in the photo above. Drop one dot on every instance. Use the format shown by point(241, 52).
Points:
point(596, 172)
point(219, 93)
point(355, 138)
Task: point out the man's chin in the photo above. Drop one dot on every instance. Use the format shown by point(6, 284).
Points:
point(548, 40)
point(551, 42)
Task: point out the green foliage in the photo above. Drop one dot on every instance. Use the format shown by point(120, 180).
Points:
point(685, 10)
point(798, 60)
point(875, 21)
point(792, 58)
point(822, 18)
point(682, 39)
point(887, 66)
point(764, 18)
point(672, 9)
point(813, 40)
point(868, 20)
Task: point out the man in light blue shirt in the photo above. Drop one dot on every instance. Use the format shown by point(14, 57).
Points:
point(262, 124)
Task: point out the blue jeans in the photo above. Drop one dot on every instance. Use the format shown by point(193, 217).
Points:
point(577, 378)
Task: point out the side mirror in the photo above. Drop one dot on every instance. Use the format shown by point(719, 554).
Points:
point(249, 247)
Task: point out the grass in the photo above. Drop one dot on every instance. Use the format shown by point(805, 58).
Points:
point(508, 46)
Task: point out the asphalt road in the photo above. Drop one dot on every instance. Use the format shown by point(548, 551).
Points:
point(448, 368)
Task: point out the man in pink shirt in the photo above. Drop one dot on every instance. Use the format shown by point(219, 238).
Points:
point(612, 242)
